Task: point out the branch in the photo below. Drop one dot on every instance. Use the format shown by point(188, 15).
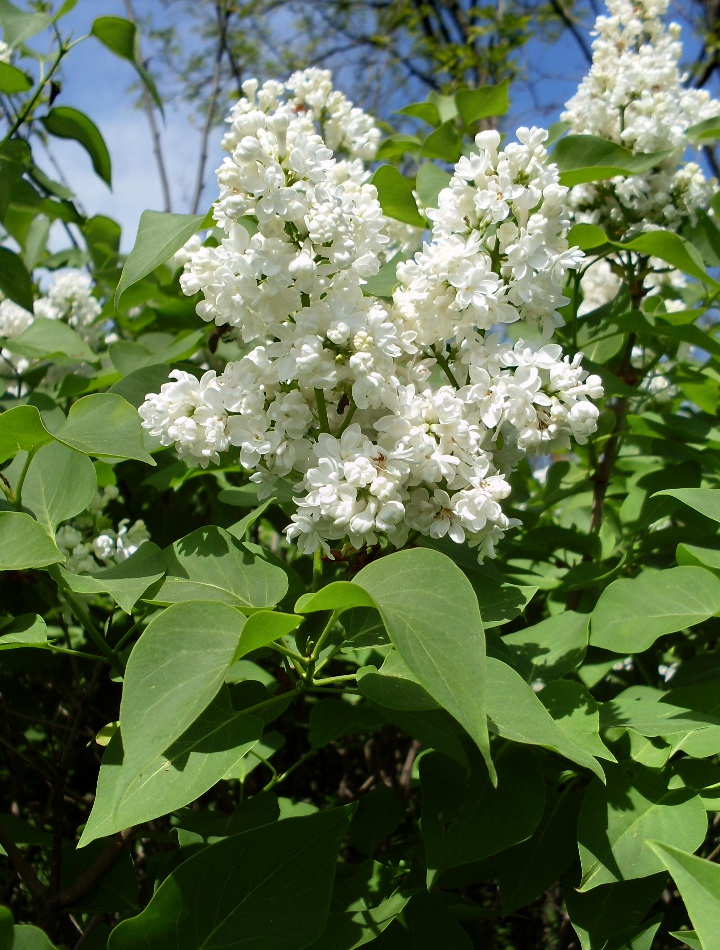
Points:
point(571, 25)
point(91, 878)
point(154, 131)
point(23, 867)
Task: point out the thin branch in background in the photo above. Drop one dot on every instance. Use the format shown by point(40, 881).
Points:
point(223, 13)
point(154, 131)
point(572, 27)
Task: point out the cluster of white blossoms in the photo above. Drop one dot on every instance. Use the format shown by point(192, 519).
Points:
point(634, 96)
point(388, 416)
point(90, 542)
point(69, 298)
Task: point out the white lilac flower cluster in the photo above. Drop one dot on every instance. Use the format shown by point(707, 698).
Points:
point(387, 416)
point(69, 298)
point(90, 542)
point(634, 96)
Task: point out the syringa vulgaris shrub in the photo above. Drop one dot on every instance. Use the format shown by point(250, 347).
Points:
point(359, 542)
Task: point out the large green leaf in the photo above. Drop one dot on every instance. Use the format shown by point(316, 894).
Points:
point(528, 869)
point(159, 235)
point(464, 818)
point(516, 713)
point(24, 543)
point(633, 612)
point(551, 648)
point(120, 36)
point(600, 916)
point(482, 103)
point(698, 881)
point(68, 123)
point(15, 281)
point(125, 582)
point(13, 79)
point(45, 339)
point(138, 786)
point(583, 158)
point(23, 631)
point(673, 249)
point(577, 714)
point(60, 483)
point(27, 937)
point(432, 617)
point(21, 430)
point(347, 930)
point(210, 564)
point(19, 25)
point(396, 197)
point(704, 500)
point(616, 820)
point(104, 425)
point(265, 888)
point(175, 671)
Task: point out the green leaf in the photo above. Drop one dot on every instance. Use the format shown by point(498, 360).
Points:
point(27, 937)
point(13, 79)
point(688, 938)
point(633, 612)
point(586, 236)
point(427, 111)
point(698, 881)
point(263, 627)
point(331, 719)
point(67, 123)
point(125, 582)
point(444, 143)
point(137, 787)
point(551, 648)
point(584, 158)
point(396, 197)
point(24, 544)
point(378, 815)
point(673, 249)
point(210, 564)
point(27, 630)
point(465, 819)
point(15, 281)
point(60, 483)
point(650, 717)
point(432, 617)
point(339, 595)
point(528, 869)
point(255, 884)
point(46, 338)
point(704, 500)
point(21, 430)
point(347, 930)
point(19, 26)
point(576, 712)
point(704, 132)
point(430, 182)
point(516, 713)
point(174, 672)
point(616, 820)
point(120, 36)
point(482, 103)
point(600, 915)
point(394, 686)
point(159, 235)
point(104, 425)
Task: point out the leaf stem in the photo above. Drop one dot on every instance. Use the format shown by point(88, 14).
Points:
point(93, 631)
point(21, 479)
point(445, 366)
point(327, 680)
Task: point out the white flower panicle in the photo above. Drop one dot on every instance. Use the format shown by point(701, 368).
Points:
point(634, 95)
point(388, 416)
point(69, 298)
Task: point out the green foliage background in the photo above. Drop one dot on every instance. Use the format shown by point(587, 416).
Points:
point(221, 743)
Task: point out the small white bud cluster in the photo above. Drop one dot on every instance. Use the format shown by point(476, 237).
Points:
point(90, 542)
